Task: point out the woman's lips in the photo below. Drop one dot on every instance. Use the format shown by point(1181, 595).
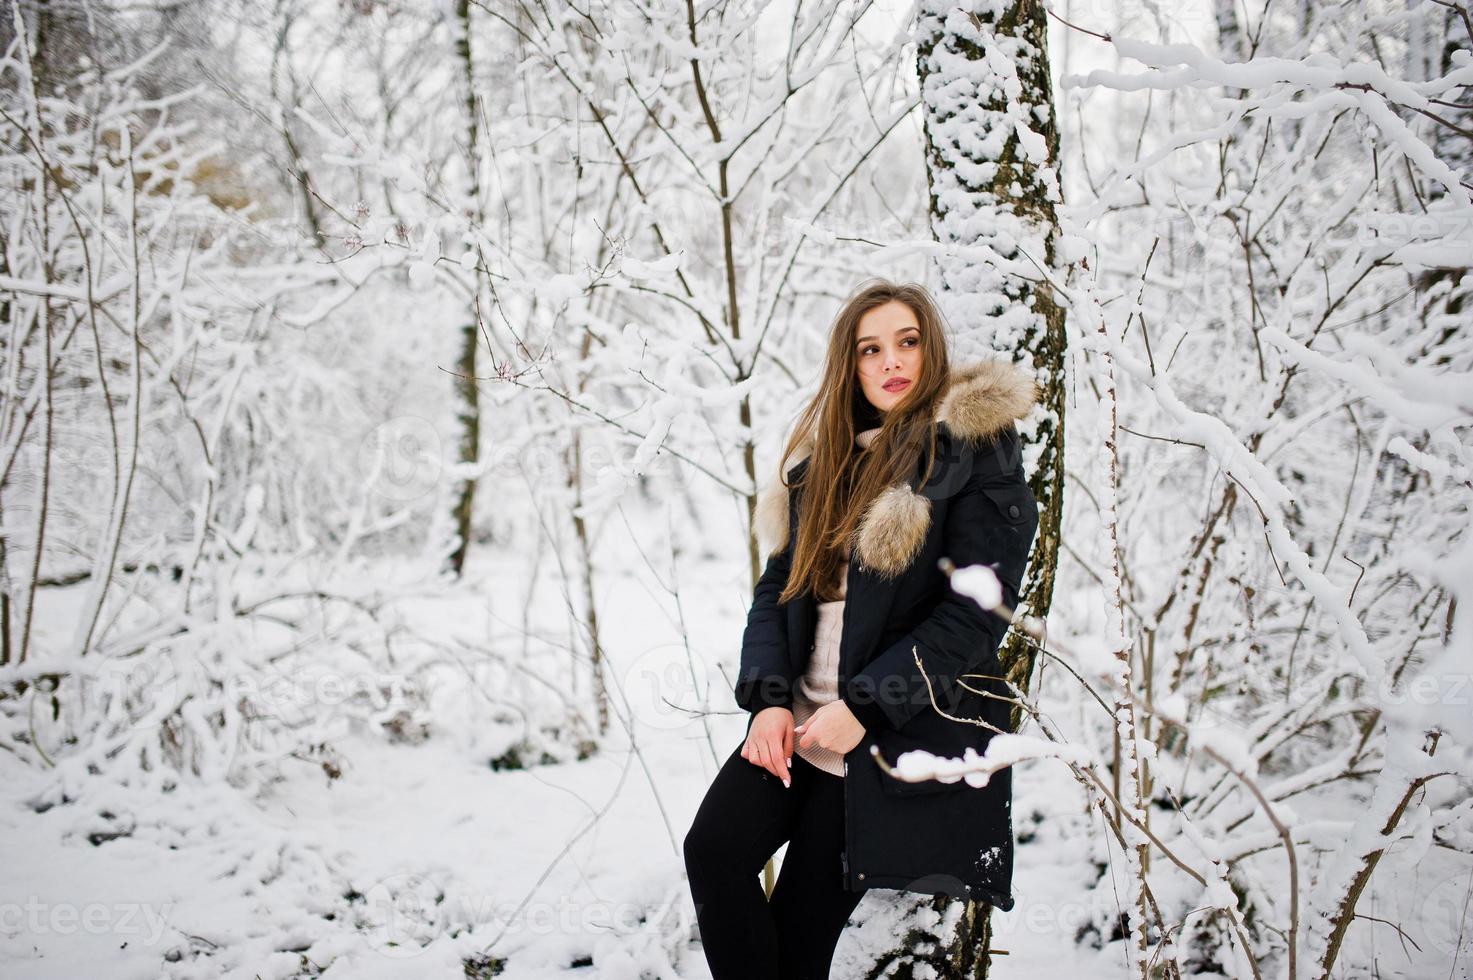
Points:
point(897, 384)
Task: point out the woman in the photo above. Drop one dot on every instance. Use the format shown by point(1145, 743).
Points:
point(855, 639)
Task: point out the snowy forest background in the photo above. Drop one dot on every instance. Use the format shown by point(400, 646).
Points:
point(387, 385)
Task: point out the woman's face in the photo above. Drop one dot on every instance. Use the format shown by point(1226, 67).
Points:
point(888, 347)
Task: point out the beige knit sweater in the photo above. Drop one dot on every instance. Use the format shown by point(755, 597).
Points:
point(819, 684)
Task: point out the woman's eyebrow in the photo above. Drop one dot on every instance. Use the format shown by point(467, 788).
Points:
point(901, 330)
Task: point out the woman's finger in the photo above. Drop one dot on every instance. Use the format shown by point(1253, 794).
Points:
point(760, 755)
point(779, 760)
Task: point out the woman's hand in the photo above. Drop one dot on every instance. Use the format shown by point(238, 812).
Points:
point(832, 727)
point(770, 742)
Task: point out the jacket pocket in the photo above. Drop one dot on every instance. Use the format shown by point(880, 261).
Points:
point(1015, 503)
point(893, 744)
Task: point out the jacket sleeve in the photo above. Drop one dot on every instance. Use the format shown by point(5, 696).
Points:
point(991, 521)
point(765, 677)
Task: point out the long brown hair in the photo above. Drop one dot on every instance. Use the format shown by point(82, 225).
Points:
point(840, 482)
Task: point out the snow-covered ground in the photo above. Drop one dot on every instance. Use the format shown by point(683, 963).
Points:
point(415, 846)
point(419, 857)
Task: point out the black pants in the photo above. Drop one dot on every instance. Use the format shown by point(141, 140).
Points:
point(746, 816)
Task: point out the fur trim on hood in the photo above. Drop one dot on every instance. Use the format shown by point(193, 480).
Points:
point(982, 399)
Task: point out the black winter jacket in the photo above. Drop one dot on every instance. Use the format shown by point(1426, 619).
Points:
point(902, 625)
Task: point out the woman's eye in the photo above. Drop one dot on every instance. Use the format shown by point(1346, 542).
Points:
point(912, 341)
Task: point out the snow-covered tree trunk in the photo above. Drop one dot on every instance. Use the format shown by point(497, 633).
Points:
point(992, 169)
point(992, 152)
point(467, 394)
point(1451, 133)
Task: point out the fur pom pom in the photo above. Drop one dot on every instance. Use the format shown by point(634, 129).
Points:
point(772, 517)
point(893, 530)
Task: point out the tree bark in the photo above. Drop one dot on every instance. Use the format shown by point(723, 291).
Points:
point(990, 187)
point(468, 415)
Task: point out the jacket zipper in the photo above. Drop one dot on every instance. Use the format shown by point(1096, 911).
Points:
point(844, 854)
point(844, 635)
